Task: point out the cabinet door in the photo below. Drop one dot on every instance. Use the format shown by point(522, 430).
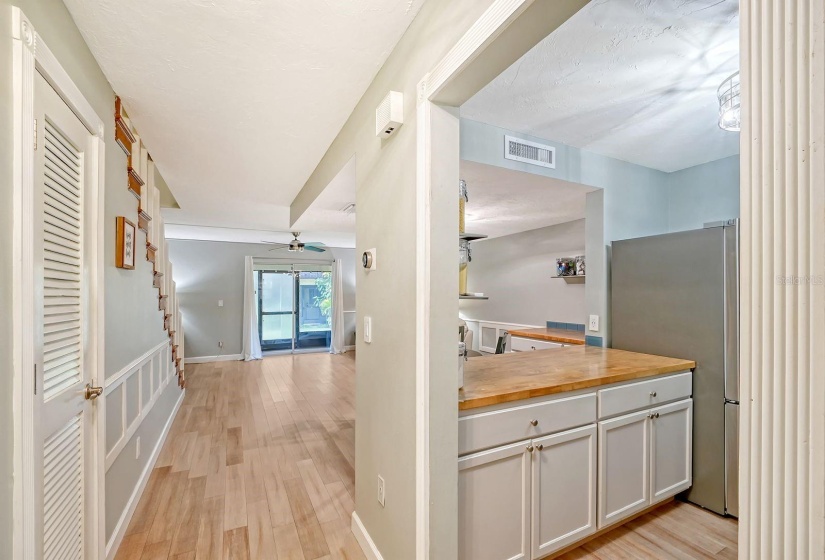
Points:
point(564, 489)
point(624, 463)
point(671, 450)
point(494, 504)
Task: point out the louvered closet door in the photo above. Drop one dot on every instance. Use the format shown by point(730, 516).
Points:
point(65, 493)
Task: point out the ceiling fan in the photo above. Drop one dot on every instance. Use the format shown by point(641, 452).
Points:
point(297, 245)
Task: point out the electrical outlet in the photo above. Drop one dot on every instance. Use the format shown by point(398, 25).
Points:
point(381, 493)
point(220, 303)
point(220, 344)
point(137, 448)
point(594, 323)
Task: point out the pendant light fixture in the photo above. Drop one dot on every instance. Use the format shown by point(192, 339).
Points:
point(730, 117)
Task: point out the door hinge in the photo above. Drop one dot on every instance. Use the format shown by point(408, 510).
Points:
point(35, 135)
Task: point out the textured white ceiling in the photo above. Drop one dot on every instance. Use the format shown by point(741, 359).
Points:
point(325, 211)
point(504, 202)
point(632, 79)
point(238, 101)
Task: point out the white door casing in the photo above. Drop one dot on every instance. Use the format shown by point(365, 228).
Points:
point(58, 306)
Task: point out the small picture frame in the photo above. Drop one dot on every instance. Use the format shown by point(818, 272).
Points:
point(125, 244)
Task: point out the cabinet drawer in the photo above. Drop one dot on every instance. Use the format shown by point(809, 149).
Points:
point(644, 394)
point(518, 344)
point(491, 429)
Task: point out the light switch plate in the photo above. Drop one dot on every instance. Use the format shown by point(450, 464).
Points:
point(367, 329)
point(220, 303)
point(594, 323)
point(381, 491)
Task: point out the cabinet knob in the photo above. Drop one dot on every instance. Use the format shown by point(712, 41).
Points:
point(534, 422)
point(653, 393)
point(530, 448)
point(533, 347)
point(650, 415)
point(540, 446)
point(656, 415)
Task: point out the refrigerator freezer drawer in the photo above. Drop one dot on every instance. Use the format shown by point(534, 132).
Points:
point(732, 459)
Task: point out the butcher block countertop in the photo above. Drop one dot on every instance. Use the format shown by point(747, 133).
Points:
point(551, 335)
point(516, 376)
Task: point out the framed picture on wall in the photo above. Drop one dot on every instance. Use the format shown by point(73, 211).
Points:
point(125, 244)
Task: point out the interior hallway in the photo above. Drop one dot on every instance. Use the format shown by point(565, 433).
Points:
point(259, 463)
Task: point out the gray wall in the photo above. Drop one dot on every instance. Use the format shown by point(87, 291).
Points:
point(516, 272)
point(208, 271)
point(703, 193)
point(133, 323)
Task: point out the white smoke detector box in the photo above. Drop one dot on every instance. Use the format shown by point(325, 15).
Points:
point(389, 115)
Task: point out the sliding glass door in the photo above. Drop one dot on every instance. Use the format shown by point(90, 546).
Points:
point(294, 307)
point(314, 290)
point(276, 314)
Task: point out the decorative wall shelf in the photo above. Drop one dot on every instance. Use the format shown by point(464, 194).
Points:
point(472, 236)
point(574, 279)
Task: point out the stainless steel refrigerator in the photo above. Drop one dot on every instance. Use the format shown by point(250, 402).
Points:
point(678, 295)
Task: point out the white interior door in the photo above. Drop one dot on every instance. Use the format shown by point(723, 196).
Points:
point(65, 426)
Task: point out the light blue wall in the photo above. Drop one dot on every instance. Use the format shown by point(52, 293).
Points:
point(635, 201)
point(703, 193)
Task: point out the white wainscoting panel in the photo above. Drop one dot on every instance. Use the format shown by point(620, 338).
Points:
point(131, 394)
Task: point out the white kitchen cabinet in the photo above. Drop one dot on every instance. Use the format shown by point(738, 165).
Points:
point(644, 458)
point(520, 344)
point(624, 463)
point(494, 504)
point(671, 450)
point(564, 489)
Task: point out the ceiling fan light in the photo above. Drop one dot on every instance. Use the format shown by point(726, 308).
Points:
point(730, 112)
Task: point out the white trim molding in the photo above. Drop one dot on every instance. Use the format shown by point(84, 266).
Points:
point(212, 359)
point(30, 54)
point(782, 428)
point(153, 370)
point(123, 523)
point(364, 539)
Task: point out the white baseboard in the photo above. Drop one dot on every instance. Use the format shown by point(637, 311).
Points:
point(126, 517)
point(364, 540)
point(210, 359)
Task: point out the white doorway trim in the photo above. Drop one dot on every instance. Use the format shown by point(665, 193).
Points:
point(500, 36)
point(30, 54)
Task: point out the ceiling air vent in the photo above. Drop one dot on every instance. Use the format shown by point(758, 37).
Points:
point(529, 152)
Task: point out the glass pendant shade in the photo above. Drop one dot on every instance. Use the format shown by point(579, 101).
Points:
point(730, 116)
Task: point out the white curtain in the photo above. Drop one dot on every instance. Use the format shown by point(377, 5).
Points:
point(337, 343)
point(251, 341)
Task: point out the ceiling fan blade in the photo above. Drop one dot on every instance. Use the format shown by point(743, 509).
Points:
point(274, 243)
point(279, 246)
point(314, 248)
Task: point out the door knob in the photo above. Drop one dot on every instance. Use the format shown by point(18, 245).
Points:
point(93, 392)
point(534, 422)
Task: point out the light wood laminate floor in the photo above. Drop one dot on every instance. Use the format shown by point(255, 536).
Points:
point(259, 463)
point(674, 531)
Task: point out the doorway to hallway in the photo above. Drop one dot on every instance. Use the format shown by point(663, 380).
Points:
point(294, 307)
